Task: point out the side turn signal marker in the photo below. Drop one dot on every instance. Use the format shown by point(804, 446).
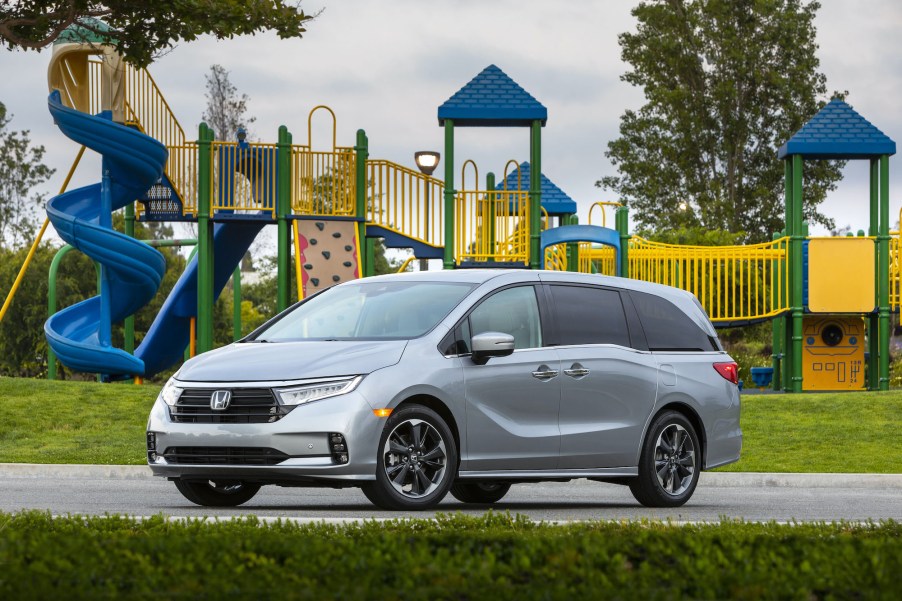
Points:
point(382, 412)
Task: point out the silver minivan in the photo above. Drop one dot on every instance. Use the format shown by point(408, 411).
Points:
point(411, 386)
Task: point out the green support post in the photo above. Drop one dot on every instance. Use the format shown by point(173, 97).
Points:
point(795, 272)
point(283, 210)
point(778, 267)
point(787, 316)
point(362, 153)
point(205, 297)
point(236, 303)
point(873, 319)
point(450, 193)
point(883, 307)
point(535, 194)
point(369, 260)
point(572, 247)
point(489, 213)
point(129, 323)
point(622, 224)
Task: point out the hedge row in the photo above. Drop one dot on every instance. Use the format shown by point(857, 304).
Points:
point(452, 557)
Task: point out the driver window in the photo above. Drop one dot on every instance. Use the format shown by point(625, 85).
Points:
point(514, 311)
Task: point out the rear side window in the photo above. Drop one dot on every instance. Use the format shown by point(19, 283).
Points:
point(588, 316)
point(666, 327)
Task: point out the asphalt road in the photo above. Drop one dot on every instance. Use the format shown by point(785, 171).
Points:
point(717, 496)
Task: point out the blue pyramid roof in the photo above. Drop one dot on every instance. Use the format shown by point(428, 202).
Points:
point(838, 132)
point(492, 99)
point(555, 201)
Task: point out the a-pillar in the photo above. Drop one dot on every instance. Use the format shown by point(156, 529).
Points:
point(450, 193)
point(535, 194)
point(205, 297)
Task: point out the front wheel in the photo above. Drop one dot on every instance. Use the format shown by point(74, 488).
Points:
point(479, 492)
point(417, 461)
point(217, 493)
point(669, 463)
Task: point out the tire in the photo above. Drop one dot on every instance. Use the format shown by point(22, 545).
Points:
point(219, 493)
point(668, 479)
point(418, 436)
point(479, 492)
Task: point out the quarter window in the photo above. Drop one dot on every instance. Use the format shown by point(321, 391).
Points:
point(666, 327)
point(585, 315)
point(513, 311)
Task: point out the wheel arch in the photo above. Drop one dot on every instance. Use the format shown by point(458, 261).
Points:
point(443, 411)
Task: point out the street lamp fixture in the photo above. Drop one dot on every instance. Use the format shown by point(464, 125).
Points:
point(427, 160)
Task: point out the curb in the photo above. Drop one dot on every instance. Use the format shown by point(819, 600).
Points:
point(712, 479)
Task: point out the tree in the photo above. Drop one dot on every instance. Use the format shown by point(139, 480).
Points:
point(142, 29)
point(726, 82)
point(21, 171)
point(226, 109)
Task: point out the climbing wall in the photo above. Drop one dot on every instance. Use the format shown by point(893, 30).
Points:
point(330, 253)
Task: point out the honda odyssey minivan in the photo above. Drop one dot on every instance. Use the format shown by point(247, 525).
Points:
point(415, 385)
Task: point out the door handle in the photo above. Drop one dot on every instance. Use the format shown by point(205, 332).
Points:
point(544, 373)
point(576, 371)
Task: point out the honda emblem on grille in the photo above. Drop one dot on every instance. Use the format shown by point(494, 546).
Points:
point(220, 400)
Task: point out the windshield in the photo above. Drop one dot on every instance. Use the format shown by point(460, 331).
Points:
point(368, 311)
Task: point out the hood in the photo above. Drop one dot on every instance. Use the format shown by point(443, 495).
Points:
point(263, 361)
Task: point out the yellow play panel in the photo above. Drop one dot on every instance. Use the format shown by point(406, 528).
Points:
point(841, 275)
point(833, 353)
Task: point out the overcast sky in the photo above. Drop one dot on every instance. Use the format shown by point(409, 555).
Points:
point(386, 67)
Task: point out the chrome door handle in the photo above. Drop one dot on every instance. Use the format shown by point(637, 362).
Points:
point(544, 373)
point(577, 372)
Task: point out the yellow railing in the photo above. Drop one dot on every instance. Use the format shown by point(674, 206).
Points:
point(597, 259)
point(732, 282)
point(244, 177)
point(146, 108)
point(405, 201)
point(323, 182)
point(894, 272)
point(490, 226)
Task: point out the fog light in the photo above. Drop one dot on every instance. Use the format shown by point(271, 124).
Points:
point(338, 447)
point(151, 447)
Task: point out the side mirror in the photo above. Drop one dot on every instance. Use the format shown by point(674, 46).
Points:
point(491, 344)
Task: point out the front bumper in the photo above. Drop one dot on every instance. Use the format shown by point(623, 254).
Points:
point(302, 435)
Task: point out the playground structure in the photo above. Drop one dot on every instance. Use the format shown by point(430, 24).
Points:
point(331, 205)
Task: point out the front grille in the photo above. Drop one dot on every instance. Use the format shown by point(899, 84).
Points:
point(224, 455)
point(248, 406)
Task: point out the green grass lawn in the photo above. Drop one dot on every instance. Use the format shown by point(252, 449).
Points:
point(86, 422)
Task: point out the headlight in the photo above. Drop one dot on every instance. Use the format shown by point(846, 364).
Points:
point(170, 393)
point(298, 395)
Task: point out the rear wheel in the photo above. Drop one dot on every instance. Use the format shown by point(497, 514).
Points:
point(417, 461)
point(669, 464)
point(479, 492)
point(217, 493)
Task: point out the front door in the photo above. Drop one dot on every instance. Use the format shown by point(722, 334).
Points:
point(513, 401)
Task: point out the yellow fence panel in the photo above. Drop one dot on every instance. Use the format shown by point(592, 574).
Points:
point(491, 226)
point(733, 283)
point(894, 272)
point(405, 201)
point(594, 258)
point(324, 183)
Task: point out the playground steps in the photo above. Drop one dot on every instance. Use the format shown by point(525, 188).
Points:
point(329, 253)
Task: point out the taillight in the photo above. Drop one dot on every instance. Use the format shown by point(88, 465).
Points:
point(729, 371)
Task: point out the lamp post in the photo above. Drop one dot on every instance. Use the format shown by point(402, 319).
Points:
point(427, 161)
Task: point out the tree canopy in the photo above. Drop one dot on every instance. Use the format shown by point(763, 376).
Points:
point(226, 110)
point(726, 82)
point(142, 29)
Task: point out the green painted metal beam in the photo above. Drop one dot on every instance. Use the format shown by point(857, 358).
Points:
point(883, 240)
point(535, 195)
point(795, 273)
point(362, 154)
point(205, 258)
point(450, 192)
point(283, 210)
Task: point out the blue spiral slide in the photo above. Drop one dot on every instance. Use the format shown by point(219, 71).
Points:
point(132, 270)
